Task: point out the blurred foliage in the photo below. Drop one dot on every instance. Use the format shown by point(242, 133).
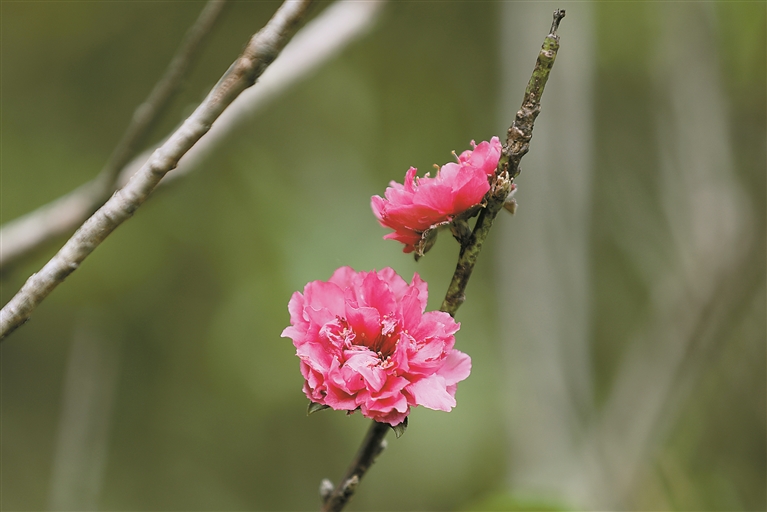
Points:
point(191, 294)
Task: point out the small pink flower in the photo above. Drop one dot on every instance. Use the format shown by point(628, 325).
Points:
point(422, 204)
point(365, 342)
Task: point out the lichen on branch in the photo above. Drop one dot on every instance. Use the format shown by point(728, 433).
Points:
point(517, 145)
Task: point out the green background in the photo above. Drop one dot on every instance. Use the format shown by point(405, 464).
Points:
point(155, 378)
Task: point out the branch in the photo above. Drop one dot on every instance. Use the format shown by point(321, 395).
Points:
point(317, 42)
point(320, 40)
point(517, 145)
point(371, 447)
point(260, 51)
point(521, 130)
point(26, 234)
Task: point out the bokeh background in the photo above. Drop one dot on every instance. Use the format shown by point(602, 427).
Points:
point(616, 323)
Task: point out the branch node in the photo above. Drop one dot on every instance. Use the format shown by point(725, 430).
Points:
point(326, 489)
point(350, 485)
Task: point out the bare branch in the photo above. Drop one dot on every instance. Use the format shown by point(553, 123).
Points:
point(521, 131)
point(149, 112)
point(28, 233)
point(260, 51)
point(316, 43)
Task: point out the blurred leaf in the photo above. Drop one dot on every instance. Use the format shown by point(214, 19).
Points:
point(400, 429)
point(314, 407)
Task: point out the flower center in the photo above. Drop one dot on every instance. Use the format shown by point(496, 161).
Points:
point(387, 341)
point(382, 343)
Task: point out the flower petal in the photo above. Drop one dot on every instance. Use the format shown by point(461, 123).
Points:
point(430, 392)
point(364, 342)
point(420, 204)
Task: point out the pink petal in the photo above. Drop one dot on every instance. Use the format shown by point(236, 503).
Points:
point(324, 295)
point(296, 308)
point(396, 284)
point(375, 292)
point(430, 392)
point(411, 208)
point(366, 323)
point(365, 363)
point(428, 357)
point(315, 355)
point(471, 193)
point(455, 368)
point(436, 324)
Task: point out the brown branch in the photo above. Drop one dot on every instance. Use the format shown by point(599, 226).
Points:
point(517, 144)
point(521, 130)
point(371, 447)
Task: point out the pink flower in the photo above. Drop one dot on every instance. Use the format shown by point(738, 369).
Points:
point(365, 342)
point(422, 204)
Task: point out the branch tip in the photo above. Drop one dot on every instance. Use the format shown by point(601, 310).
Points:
point(558, 15)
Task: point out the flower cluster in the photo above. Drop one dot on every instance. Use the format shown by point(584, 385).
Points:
point(366, 343)
point(419, 205)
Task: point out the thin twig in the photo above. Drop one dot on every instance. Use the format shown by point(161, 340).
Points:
point(28, 233)
point(521, 130)
point(516, 146)
point(260, 51)
point(371, 447)
point(316, 43)
point(147, 114)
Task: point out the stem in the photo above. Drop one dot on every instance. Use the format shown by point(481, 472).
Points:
point(371, 447)
point(521, 130)
point(517, 145)
point(470, 250)
point(260, 51)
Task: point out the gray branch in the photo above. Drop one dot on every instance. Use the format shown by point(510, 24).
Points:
point(260, 51)
point(320, 40)
point(316, 43)
point(30, 232)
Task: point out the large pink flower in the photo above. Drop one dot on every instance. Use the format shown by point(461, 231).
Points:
point(425, 203)
point(365, 342)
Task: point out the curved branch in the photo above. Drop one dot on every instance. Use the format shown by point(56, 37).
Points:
point(260, 51)
point(28, 233)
